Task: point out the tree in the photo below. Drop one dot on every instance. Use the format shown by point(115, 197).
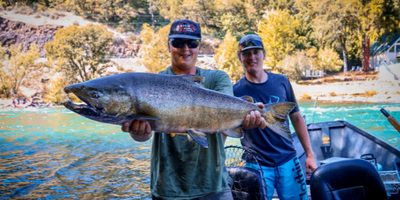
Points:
point(226, 58)
point(18, 66)
point(56, 93)
point(331, 22)
point(328, 60)
point(349, 24)
point(81, 53)
point(294, 65)
point(376, 17)
point(5, 83)
point(279, 32)
point(153, 52)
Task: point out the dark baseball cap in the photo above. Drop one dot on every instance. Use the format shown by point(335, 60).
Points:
point(251, 41)
point(184, 28)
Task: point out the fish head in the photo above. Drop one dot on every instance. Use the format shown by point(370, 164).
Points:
point(105, 100)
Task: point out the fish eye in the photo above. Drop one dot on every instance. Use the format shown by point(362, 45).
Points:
point(95, 95)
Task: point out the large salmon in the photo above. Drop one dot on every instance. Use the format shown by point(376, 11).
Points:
point(171, 104)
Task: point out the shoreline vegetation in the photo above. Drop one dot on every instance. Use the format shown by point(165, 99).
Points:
point(347, 87)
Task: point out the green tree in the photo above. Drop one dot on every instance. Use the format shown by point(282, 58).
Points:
point(226, 58)
point(375, 17)
point(279, 31)
point(347, 24)
point(240, 16)
point(18, 66)
point(81, 53)
point(153, 52)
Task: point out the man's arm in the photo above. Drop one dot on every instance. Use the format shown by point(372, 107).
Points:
point(302, 133)
point(253, 119)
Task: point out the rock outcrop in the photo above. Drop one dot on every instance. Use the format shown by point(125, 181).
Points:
point(14, 32)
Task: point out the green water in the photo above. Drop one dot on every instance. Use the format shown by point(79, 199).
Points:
point(53, 153)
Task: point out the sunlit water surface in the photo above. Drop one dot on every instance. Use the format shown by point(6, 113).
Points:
point(53, 153)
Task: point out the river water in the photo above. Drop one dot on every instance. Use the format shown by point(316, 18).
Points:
point(52, 153)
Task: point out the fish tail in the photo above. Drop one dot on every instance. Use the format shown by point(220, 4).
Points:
point(276, 115)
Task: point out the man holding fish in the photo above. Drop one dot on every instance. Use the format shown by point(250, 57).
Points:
point(190, 110)
point(278, 158)
point(181, 168)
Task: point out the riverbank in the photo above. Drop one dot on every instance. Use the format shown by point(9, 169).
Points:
point(374, 90)
point(354, 87)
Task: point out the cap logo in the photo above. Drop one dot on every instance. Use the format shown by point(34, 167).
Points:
point(186, 28)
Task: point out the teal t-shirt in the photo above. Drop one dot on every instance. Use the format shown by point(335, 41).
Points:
point(182, 169)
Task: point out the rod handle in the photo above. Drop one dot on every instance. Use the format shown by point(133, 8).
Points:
point(384, 112)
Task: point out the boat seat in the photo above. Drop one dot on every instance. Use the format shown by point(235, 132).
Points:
point(245, 183)
point(354, 179)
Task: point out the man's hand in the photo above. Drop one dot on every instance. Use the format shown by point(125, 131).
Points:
point(254, 119)
point(311, 165)
point(140, 131)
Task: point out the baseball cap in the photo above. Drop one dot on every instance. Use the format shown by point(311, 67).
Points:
point(184, 28)
point(251, 41)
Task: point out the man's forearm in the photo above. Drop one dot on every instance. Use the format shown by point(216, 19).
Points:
point(302, 132)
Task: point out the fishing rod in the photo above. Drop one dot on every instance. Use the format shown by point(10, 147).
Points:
point(315, 104)
point(392, 120)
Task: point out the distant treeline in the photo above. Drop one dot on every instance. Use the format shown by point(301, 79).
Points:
point(347, 26)
point(328, 35)
point(215, 16)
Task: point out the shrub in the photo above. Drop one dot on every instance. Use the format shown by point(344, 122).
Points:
point(332, 94)
point(306, 96)
point(24, 10)
point(294, 65)
point(370, 93)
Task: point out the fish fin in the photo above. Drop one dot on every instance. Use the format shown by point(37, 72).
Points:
point(143, 117)
point(248, 98)
point(199, 137)
point(276, 116)
point(199, 80)
point(235, 133)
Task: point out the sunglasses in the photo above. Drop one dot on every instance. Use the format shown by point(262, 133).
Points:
point(179, 43)
point(250, 43)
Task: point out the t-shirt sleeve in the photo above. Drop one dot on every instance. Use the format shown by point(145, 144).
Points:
point(290, 96)
point(223, 83)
